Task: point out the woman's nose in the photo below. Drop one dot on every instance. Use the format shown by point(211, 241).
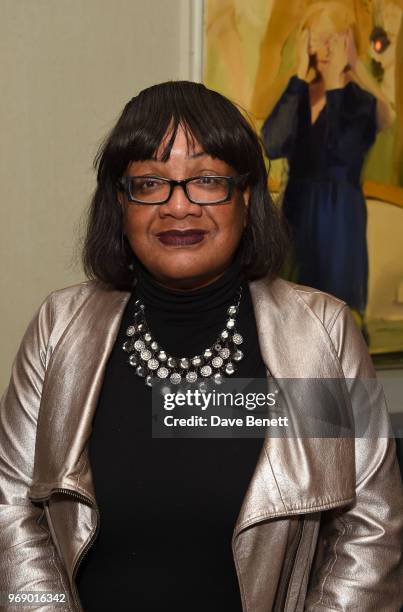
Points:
point(325, 51)
point(179, 205)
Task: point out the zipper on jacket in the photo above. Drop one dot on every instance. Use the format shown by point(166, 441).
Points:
point(92, 539)
point(282, 597)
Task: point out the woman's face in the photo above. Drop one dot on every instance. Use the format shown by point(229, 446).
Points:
point(323, 39)
point(179, 265)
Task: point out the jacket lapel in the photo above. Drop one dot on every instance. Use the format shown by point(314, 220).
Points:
point(289, 478)
point(70, 394)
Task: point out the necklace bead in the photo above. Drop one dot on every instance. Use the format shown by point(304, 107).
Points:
point(145, 354)
point(175, 378)
point(237, 356)
point(206, 370)
point(127, 346)
point(171, 362)
point(229, 368)
point(162, 372)
point(184, 363)
point(218, 378)
point(217, 362)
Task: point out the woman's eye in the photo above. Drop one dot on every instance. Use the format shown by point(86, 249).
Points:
point(208, 180)
point(148, 184)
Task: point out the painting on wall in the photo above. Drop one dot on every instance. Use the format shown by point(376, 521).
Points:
point(322, 82)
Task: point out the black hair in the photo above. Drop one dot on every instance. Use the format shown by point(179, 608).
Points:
point(223, 132)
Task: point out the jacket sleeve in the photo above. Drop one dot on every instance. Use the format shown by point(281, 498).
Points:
point(289, 118)
point(28, 558)
point(358, 563)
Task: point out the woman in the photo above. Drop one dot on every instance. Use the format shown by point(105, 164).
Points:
point(324, 123)
point(182, 232)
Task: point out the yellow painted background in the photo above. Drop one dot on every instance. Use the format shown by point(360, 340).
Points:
point(249, 55)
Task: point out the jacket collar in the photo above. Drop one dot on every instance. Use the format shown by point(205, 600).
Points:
point(288, 478)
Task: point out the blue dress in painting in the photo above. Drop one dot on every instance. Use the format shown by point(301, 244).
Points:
point(323, 201)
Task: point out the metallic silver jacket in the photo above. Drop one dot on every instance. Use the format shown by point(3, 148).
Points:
point(321, 525)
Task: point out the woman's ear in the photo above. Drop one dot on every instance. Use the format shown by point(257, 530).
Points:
point(121, 201)
point(246, 198)
point(122, 205)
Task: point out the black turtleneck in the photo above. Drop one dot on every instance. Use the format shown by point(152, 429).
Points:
point(168, 506)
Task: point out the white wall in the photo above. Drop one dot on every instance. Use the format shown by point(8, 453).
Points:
point(67, 68)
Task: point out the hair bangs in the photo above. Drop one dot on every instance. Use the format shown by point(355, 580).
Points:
point(210, 120)
point(149, 123)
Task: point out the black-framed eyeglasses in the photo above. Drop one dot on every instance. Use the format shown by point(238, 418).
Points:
point(204, 189)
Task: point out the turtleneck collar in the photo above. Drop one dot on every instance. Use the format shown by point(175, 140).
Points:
point(188, 304)
point(185, 323)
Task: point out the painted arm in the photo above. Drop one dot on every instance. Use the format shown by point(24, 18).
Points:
point(384, 112)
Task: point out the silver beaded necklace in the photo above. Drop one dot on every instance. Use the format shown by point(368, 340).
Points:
point(153, 363)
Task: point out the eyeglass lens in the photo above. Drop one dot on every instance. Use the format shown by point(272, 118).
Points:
point(203, 189)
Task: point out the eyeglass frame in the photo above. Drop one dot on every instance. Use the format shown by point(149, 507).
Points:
point(233, 182)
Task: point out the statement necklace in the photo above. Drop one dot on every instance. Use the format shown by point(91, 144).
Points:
point(153, 363)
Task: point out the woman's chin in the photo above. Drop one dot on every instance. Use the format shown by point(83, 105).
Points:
point(185, 274)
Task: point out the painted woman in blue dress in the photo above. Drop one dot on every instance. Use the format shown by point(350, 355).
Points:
point(323, 124)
